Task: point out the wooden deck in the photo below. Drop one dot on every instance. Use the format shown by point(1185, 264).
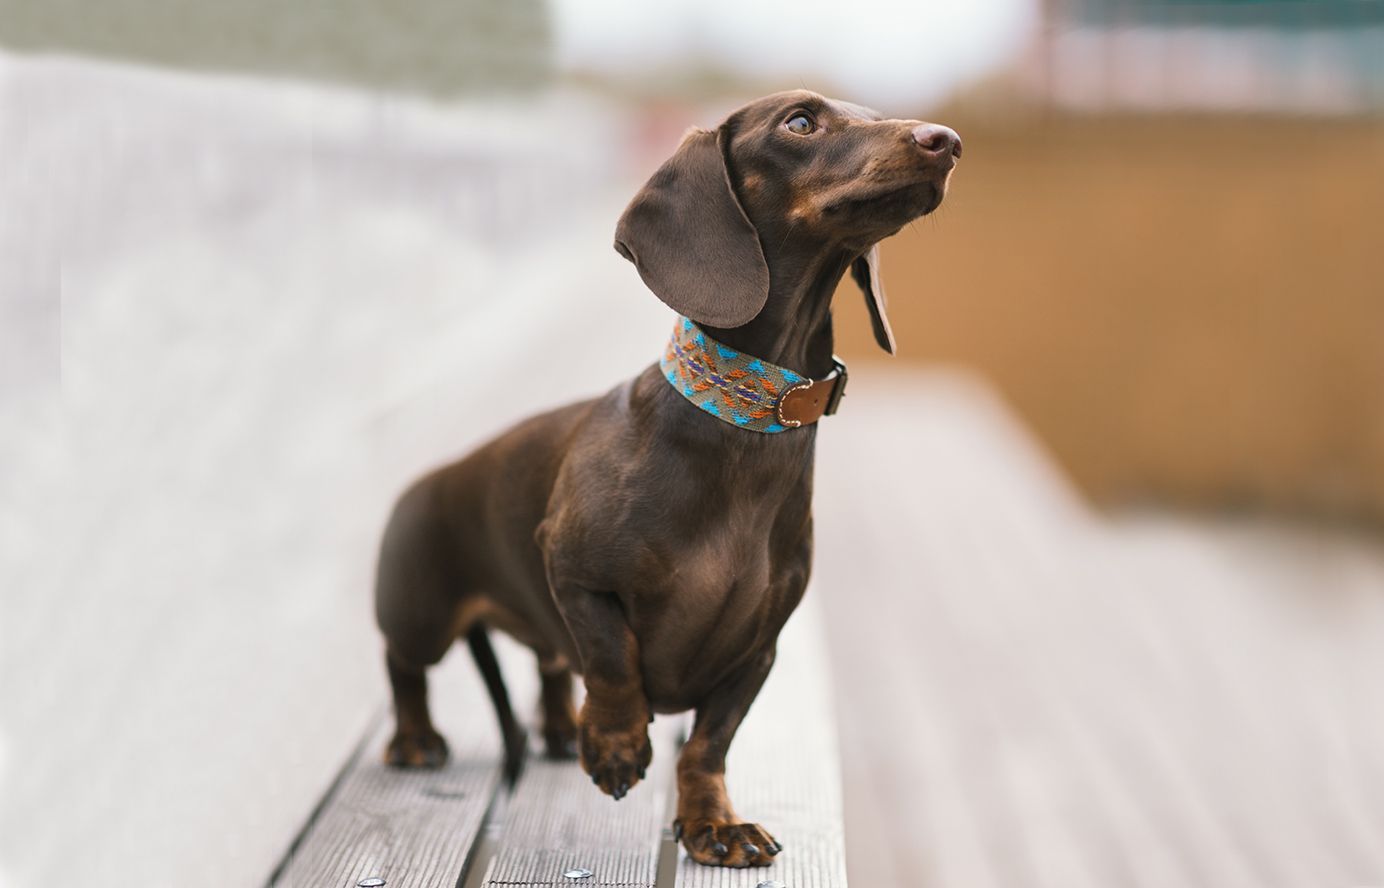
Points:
point(460, 826)
point(270, 320)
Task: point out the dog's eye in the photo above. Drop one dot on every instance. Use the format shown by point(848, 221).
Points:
point(800, 124)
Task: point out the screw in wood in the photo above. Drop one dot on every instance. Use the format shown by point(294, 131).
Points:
point(771, 884)
point(371, 882)
point(578, 873)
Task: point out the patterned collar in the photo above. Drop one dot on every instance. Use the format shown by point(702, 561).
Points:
point(743, 390)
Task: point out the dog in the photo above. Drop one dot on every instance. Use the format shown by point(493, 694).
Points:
point(656, 539)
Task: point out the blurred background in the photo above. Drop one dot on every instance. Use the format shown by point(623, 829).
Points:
point(1100, 547)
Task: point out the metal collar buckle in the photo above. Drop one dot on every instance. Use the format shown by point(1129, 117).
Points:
point(839, 391)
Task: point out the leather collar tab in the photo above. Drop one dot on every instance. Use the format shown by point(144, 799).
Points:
point(743, 390)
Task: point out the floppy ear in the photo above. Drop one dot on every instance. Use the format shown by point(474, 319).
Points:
point(865, 270)
point(692, 242)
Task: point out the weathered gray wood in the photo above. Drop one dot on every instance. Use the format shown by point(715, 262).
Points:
point(557, 821)
point(784, 770)
point(414, 829)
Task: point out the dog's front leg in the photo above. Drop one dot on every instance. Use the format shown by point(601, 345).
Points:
point(614, 723)
point(708, 826)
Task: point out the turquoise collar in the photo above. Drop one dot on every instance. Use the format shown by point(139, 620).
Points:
point(745, 391)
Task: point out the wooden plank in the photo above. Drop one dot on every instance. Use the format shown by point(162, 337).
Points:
point(412, 828)
point(784, 770)
point(557, 822)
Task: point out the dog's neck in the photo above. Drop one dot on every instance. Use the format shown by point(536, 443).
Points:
point(794, 329)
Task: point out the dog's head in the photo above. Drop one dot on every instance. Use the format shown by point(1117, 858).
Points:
point(795, 164)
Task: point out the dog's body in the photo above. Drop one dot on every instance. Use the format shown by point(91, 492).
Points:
point(632, 538)
point(697, 618)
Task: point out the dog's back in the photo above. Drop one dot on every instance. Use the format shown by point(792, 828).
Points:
point(461, 538)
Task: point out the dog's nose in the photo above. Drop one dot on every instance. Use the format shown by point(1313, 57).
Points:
point(937, 140)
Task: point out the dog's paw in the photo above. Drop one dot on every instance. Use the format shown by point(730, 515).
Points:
point(616, 759)
point(726, 844)
point(416, 749)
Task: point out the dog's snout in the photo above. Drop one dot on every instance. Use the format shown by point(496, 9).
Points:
point(937, 140)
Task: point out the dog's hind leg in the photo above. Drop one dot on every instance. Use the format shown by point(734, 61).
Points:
point(418, 603)
point(416, 743)
point(559, 715)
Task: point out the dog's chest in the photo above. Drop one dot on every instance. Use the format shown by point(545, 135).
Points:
point(721, 560)
point(710, 607)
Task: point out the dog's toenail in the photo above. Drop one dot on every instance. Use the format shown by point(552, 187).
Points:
point(751, 849)
point(641, 773)
point(773, 848)
point(677, 830)
point(720, 850)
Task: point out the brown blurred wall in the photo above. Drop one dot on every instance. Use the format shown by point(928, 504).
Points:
point(1190, 309)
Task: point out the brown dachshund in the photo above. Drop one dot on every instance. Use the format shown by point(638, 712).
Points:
point(656, 539)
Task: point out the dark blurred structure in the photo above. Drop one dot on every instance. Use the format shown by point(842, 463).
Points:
point(1163, 246)
point(1310, 56)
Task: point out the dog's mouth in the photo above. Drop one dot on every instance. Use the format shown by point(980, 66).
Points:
point(917, 199)
point(892, 206)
